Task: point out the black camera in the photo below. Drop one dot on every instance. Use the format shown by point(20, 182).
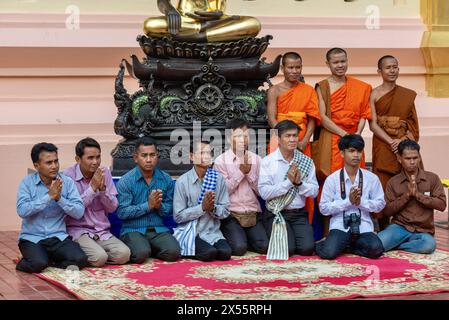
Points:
point(353, 221)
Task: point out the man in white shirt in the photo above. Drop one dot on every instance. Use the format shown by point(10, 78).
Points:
point(273, 183)
point(349, 196)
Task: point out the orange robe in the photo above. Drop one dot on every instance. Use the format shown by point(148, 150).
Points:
point(349, 104)
point(297, 104)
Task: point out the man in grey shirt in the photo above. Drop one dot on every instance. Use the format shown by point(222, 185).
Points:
point(200, 201)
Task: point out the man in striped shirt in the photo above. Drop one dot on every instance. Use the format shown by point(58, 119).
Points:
point(145, 197)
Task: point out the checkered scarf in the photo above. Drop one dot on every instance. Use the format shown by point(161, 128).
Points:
point(185, 233)
point(278, 247)
point(209, 183)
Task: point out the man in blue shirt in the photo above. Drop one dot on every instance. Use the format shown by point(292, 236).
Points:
point(145, 196)
point(43, 201)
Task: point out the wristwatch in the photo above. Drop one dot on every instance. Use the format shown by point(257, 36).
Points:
point(298, 184)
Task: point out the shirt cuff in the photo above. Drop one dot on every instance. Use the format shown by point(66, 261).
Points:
point(106, 194)
point(287, 184)
point(46, 199)
point(62, 202)
point(344, 204)
point(237, 175)
point(145, 207)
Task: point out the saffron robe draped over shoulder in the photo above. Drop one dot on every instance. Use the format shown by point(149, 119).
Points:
point(348, 104)
point(396, 114)
point(296, 104)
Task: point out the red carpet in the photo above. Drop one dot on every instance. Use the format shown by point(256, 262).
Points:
point(253, 277)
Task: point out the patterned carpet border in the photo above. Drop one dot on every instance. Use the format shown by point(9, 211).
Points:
point(251, 277)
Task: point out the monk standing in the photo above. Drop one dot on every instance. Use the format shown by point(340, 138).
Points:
point(349, 104)
point(344, 108)
point(294, 100)
point(393, 120)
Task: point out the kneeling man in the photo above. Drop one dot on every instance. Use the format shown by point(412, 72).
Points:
point(411, 197)
point(349, 196)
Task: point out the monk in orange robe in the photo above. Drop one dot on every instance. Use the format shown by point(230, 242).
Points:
point(349, 105)
point(344, 108)
point(294, 100)
point(393, 119)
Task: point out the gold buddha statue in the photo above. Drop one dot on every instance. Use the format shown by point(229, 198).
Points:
point(200, 21)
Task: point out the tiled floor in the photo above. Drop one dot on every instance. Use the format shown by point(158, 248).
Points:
point(18, 285)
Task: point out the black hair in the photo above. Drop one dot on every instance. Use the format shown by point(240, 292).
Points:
point(196, 141)
point(144, 141)
point(379, 63)
point(351, 141)
point(41, 147)
point(335, 51)
point(290, 55)
point(285, 125)
point(237, 124)
point(86, 143)
point(408, 144)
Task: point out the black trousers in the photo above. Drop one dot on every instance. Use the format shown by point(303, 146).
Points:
point(162, 246)
point(50, 252)
point(206, 252)
point(241, 239)
point(367, 245)
point(299, 231)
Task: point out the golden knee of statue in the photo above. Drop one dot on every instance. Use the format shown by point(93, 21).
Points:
point(200, 21)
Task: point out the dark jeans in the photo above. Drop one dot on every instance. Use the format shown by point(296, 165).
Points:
point(367, 245)
point(162, 246)
point(241, 239)
point(50, 252)
point(206, 252)
point(299, 231)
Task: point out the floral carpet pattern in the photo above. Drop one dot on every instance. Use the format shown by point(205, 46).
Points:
point(253, 277)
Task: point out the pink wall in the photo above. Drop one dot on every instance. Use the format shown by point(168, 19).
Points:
point(57, 85)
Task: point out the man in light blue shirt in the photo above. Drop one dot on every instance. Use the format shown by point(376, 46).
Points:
point(349, 196)
point(44, 199)
point(200, 202)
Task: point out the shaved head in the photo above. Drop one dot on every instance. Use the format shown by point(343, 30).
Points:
point(381, 60)
point(334, 51)
point(290, 55)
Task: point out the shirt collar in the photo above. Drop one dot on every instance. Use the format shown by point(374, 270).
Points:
point(37, 178)
point(230, 156)
point(279, 157)
point(346, 175)
point(78, 174)
point(139, 174)
point(419, 176)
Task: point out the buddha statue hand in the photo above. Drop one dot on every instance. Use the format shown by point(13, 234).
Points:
point(173, 21)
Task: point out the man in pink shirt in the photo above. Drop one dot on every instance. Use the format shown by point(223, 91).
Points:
point(243, 228)
point(99, 195)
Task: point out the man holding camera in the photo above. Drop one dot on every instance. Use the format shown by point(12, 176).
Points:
point(349, 196)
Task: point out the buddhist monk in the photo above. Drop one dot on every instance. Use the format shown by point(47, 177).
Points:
point(344, 108)
point(349, 104)
point(200, 21)
point(393, 120)
point(294, 100)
